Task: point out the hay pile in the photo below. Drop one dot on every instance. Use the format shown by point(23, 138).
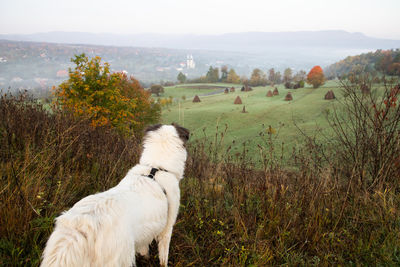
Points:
point(329, 95)
point(288, 97)
point(238, 101)
point(196, 99)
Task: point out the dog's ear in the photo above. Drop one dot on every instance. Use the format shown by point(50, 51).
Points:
point(154, 127)
point(182, 132)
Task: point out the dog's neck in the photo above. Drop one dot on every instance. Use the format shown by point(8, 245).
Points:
point(159, 169)
point(173, 163)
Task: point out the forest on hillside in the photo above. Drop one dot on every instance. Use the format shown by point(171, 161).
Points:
point(381, 61)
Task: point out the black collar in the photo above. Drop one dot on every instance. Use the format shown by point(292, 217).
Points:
point(153, 172)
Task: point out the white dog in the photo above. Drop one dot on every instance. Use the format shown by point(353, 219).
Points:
point(108, 228)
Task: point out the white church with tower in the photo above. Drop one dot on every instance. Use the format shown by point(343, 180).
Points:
point(190, 64)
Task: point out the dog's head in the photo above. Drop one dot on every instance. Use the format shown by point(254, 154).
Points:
point(164, 147)
point(182, 132)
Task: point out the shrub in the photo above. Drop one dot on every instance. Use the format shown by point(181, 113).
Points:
point(156, 89)
point(106, 98)
point(366, 128)
point(288, 85)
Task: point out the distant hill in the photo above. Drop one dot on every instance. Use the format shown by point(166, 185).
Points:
point(382, 61)
point(298, 50)
point(252, 42)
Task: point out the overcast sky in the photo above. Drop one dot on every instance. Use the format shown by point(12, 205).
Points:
point(375, 18)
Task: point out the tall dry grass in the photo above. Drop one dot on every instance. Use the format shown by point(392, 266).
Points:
point(48, 161)
point(232, 213)
point(235, 215)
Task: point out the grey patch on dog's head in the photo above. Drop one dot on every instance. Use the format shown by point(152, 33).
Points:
point(182, 132)
point(154, 127)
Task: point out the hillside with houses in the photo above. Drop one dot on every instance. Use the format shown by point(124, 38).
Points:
point(34, 65)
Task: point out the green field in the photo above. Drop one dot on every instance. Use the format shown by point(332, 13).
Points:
point(306, 111)
point(189, 90)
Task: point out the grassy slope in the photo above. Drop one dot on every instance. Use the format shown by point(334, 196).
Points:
point(230, 214)
point(306, 110)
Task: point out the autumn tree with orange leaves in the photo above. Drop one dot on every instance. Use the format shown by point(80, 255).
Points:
point(316, 77)
point(107, 99)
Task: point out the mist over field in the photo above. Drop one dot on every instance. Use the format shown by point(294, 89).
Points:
point(33, 60)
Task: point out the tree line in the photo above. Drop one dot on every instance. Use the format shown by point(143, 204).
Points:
point(257, 77)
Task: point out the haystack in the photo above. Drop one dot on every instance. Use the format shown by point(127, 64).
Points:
point(196, 99)
point(226, 90)
point(232, 89)
point(288, 97)
point(329, 95)
point(238, 100)
point(270, 94)
point(276, 92)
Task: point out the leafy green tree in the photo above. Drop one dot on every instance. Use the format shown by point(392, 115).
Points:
point(287, 75)
point(106, 98)
point(181, 77)
point(232, 77)
point(271, 75)
point(224, 73)
point(384, 61)
point(212, 75)
point(257, 78)
point(300, 76)
point(278, 77)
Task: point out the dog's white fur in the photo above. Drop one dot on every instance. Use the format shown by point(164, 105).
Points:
point(106, 229)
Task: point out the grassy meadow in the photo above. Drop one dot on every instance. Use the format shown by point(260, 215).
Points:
point(307, 111)
point(337, 207)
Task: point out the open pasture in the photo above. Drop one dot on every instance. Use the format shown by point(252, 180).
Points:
point(306, 111)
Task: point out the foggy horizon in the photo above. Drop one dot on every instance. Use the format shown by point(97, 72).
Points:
point(242, 34)
point(177, 17)
point(196, 34)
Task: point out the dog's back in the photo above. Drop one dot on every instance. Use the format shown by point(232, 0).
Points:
point(84, 235)
point(66, 247)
